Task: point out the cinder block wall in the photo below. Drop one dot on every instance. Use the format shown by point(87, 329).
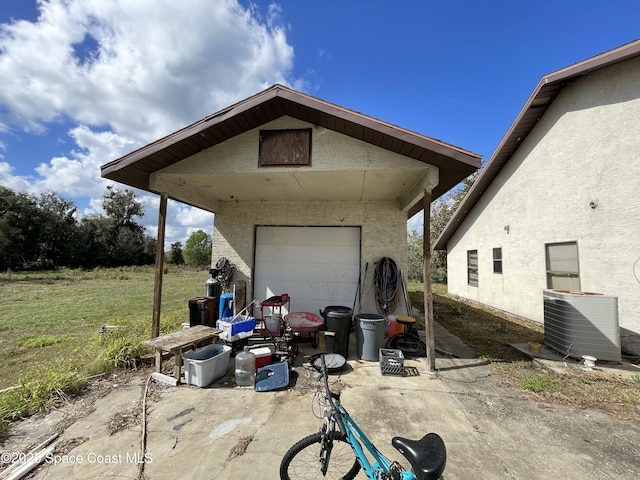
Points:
point(383, 233)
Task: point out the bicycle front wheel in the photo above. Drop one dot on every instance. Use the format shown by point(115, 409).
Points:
point(302, 461)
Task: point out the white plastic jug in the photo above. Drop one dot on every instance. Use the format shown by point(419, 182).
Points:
point(245, 368)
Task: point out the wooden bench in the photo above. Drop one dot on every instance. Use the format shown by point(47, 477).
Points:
point(174, 344)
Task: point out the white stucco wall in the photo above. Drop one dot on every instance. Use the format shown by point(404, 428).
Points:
point(585, 149)
point(383, 223)
point(330, 151)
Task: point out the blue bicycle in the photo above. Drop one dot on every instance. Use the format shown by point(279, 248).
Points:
point(330, 452)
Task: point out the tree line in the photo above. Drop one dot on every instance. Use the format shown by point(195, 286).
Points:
point(47, 231)
point(442, 210)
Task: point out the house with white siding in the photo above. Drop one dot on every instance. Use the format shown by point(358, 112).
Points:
point(557, 207)
point(307, 195)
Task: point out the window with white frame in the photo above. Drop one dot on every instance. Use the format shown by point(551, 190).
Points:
point(472, 267)
point(563, 270)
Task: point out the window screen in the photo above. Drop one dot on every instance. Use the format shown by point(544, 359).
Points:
point(563, 271)
point(472, 267)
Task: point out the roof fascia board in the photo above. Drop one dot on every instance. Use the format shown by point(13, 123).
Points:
point(188, 131)
point(606, 59)
point(287, 94)
point(394, 131)
point(497, 160)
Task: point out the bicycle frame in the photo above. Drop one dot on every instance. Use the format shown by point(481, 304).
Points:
point(426, 456)
point(360, 442)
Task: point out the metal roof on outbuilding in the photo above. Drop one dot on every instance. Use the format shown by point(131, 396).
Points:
point(135, 168)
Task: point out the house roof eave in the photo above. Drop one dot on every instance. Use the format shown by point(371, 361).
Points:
point(135, 168)
point(540, 100)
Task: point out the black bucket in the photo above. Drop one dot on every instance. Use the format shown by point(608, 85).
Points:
point(338, 319)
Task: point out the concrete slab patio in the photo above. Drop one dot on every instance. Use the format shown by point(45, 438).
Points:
point(227, 432)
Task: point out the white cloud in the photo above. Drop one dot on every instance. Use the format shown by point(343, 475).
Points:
point(79, 174)
point(181, 221)
point(8, 179)
point(123, 73)
point(416, 222)
point(155, 66)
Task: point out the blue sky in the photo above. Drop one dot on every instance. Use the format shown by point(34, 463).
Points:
point(86, 81)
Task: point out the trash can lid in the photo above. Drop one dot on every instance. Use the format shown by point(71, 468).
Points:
point(336, 310)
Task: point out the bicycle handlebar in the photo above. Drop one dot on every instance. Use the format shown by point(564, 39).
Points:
point(325, 377)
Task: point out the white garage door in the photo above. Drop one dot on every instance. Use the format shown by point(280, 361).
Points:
point(316, 266)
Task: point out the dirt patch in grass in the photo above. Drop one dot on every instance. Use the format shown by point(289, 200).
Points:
point(488, 333)
point(577, 388)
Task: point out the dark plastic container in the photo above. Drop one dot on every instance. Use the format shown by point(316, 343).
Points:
point(203, 311)
point(338, 319)
point(212, 287)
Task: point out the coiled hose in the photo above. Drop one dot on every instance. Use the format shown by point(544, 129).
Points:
point(386, 285)
point(223, 272)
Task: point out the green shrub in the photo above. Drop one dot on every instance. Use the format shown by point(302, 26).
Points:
point(458, 308)
point(120, 348)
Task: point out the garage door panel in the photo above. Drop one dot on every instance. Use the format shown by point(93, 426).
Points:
point(308, 235)
point(322, 254)
point(322, 292)
point(311, 272)
point(316, 266)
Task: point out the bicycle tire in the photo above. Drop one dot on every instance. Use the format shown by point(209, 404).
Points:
point(411, 345)
point(301, 460)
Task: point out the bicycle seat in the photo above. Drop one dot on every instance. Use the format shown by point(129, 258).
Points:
point(427, 456)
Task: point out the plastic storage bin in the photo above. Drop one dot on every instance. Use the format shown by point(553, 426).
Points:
point(206, 364)
point(391, 362)
point(272, 377)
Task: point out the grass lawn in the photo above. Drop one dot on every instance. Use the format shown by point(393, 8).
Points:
point(55, 317)
point(50, 341)
point(488, 332)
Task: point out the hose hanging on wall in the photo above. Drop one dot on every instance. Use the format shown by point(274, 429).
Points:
point(386, 285)
point(223, 271)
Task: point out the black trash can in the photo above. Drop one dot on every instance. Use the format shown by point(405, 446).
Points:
point(338, 319)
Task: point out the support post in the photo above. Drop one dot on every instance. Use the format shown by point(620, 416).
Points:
point(157, 288)
point(426, 274)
